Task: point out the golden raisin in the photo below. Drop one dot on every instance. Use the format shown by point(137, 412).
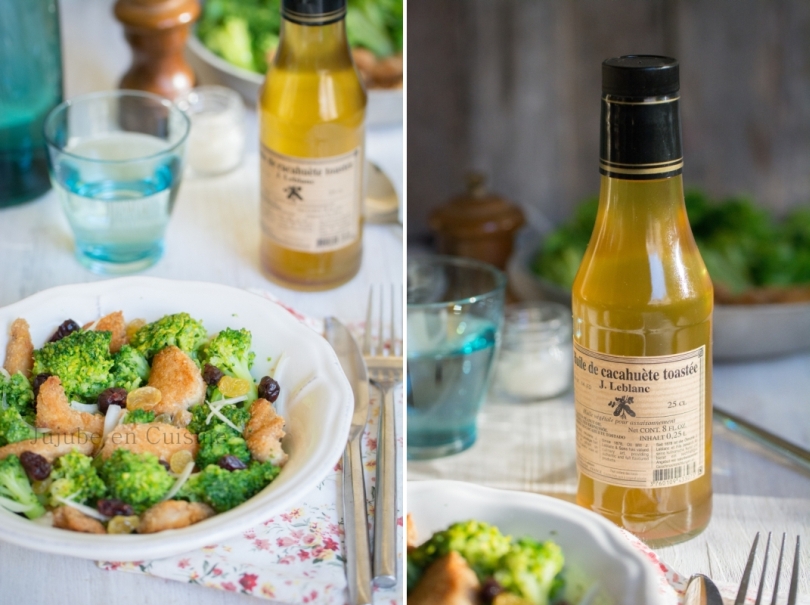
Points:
point(179, 461)
point(123, 525)
point(134, 326)
point(144, 398)
point(233, 387)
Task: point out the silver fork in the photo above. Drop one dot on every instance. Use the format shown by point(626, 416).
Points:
point(382, 350)
point(749, 566)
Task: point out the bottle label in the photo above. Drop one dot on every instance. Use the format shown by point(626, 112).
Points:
point(311, 205)
point(640, 420)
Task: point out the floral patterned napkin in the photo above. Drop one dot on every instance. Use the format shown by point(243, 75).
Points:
point(293, 557)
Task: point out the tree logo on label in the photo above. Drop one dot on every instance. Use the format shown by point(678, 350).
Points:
point(622, 406)
point(293, 193)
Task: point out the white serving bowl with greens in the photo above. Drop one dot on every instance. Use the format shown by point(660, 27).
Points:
point(317, 422)
point(599, 561)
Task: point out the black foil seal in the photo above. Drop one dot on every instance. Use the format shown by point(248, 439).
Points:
point(313, 12)
point(641, 129)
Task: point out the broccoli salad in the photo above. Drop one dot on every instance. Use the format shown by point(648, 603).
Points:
point(122, 427)
point(473, 562)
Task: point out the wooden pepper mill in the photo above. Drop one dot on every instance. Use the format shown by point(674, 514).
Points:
point(157, 31)
point(477, 224)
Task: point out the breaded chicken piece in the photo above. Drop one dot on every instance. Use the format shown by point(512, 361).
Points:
point(50, 446)
point(20, 349)
point(263, 433)
point(54, 411)
point(157, 438)
point(410, 533)
point(178, 379)
point(447, 581)
point(173, 514)
point(67, 517)
point(114, 322)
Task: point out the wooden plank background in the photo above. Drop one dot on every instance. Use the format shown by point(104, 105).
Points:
point(512, 87)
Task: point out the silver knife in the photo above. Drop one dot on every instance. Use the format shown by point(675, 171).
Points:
point(355, 517)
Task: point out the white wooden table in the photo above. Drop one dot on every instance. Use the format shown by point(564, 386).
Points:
point(213, 236)
point(531, 447)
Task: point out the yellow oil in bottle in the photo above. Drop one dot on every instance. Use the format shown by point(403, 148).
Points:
point(642, 306)
point(642, 290)
point(312, 112)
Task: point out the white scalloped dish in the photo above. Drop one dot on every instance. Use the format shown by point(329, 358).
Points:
point(596, 553)
point(317, 422)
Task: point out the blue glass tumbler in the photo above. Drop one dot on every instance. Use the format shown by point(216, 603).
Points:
point(30, 86)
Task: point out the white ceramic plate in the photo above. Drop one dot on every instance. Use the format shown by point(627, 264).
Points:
point(384, 106)
point(741, 332)
point(317, 422)
point(594, 549)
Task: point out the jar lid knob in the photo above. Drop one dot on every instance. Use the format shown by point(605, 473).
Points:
point(476, 184)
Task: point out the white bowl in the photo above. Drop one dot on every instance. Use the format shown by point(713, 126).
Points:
point(384, 106)
point(317, 423)
point(595, 551)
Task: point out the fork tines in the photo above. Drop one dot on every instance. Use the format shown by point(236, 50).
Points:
point(749, 566)
point(383, 333)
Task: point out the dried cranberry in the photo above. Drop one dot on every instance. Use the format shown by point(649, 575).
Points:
point(36, 467)
point(231, 463)
point(68, 327)
point(112, 396)
point(212, 375)
point(490, 590)
point(113, 508)
point(165, 465)
point(269, 389)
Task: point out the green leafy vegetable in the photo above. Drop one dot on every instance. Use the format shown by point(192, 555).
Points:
point(74, 477)
point(15, 489)
point(243, 32)
point(223, 490)
point(81, 360)
point(742, 245)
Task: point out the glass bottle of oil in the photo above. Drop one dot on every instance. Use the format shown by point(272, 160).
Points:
point(312, 112)
point(642, 304)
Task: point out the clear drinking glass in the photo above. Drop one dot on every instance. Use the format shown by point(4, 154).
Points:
point(116, 159)
point(30, 86)
point(455, 312)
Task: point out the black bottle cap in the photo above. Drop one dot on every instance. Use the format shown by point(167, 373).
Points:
point(640, 76)
point(313, 12)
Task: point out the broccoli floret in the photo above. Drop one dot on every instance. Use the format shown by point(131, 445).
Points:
point(74, 477)
point(16, 391)
point(139, 416)
point(531, 569)
point(13, 427)
point(481, 544)
point(219, 441)
point(223, 490)
point(238, 415)
point(230, 352)
point(180, 330)
point(81, 360)
point(15, 486)
point(130, 369)
point(137, 479)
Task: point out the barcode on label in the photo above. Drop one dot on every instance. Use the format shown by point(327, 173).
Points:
point(328, 241)
point(674, 473)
